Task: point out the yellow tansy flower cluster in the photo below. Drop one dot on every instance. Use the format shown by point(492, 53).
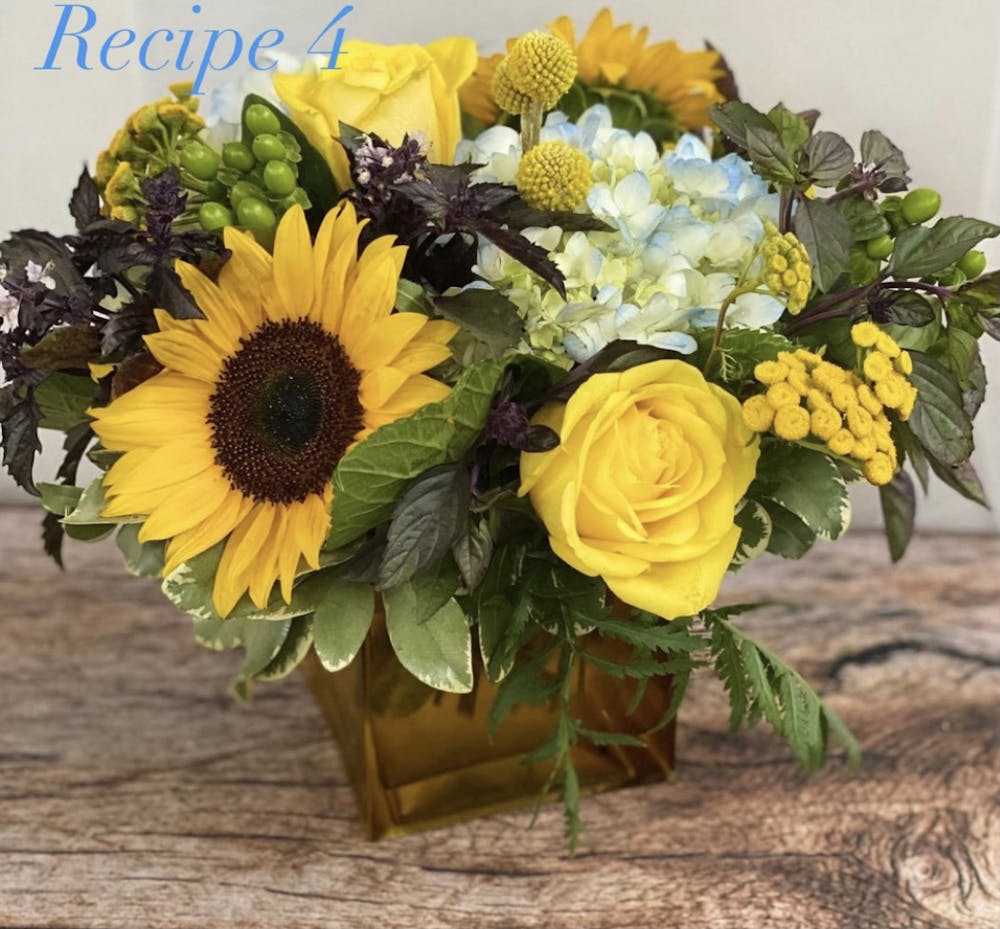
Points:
point(142, 148)
point(787, 271)
point(809, 397)
point(538, 69)
point(554, 176)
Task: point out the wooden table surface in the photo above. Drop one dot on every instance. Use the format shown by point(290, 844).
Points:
point(133, 792)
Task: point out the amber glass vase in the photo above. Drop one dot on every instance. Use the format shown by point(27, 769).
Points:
point(419, 758)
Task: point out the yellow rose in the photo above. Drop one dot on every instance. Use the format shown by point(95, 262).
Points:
point(643, 486)
point(386, 89)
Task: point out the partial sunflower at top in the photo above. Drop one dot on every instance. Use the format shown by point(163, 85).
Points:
point(659, 89)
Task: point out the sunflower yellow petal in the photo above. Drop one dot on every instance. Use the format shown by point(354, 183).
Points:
point(192, 542)
point(293, 274)
point(379, 345)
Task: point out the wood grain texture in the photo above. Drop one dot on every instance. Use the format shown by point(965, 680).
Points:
point(133, 792)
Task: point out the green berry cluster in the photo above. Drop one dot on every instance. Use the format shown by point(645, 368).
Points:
point(915, 208)
point(251, 183)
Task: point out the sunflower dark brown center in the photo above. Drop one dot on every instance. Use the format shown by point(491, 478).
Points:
point(284, 411)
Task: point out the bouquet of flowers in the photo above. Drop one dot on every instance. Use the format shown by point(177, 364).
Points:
point(514, 355)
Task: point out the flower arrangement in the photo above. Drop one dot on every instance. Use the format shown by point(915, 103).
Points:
point(519, 353)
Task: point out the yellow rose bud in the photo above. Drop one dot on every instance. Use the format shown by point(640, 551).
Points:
point(791, 423)
point(662, 434)
point(758, 414)
point(799, 380)
point(386, 89)
point(808, 358)
point(904, 363)
point(817, 400)
point(909, 401)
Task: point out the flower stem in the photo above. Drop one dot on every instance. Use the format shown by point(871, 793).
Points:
point(531, 126)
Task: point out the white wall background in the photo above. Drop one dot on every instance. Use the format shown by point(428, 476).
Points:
point(925, 72)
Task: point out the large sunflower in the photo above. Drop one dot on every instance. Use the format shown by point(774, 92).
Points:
point(299, 357)
point(675, 86)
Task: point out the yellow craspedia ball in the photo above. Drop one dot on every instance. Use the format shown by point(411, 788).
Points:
point(541, 66)
point(817, 400)
point(554, 176)
point(843, 396)
point(864, 334)
point(909, 401)
point(758, 414)
point(791, 423)
point(808, 358)
point(864, 449)
point(878, 469)
point(904, 363)
point(860, 422)
point(508, 97)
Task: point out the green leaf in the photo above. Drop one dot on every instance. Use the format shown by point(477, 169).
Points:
point(899, 507)
point(472, 551)
point(488, 315)
point(412, 298)
point(761, 685)
point(957, 352)
point(527, 683)
point(807, 484)
point(939, 420)
point(736, 117)
point(827, 158)
point(962, 478)
point(771, 158)
point(741, 350)
point(437, 651)
point(877, 149)
point(792, 129)
point(219, 634)
point(262, 640)
point(293, 650)
point(20, 441)
point(864, 218)
point(64, 348)
point(827, 237)
point(63, 400)
point(371, 477)
point(343, 615)
point(922, 250)
point(790, 537)
point(88, 510)
point(141, 559)
point(907, 308)
point(430, 515)
point(315, 176)
point(755, 533)
point(59, 499)
point(672, 637)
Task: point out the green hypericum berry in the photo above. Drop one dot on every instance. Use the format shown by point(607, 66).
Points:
point(972, 264)
point(921, 205)
point(243, 190)
point(268, 148)
point(214, 216)
point(237, 156)
point(256, 214)
point(880, 247)
point(279, 178)
point(260, 119)
point(200, 160)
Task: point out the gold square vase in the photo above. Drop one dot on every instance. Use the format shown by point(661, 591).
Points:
point(419, 758)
